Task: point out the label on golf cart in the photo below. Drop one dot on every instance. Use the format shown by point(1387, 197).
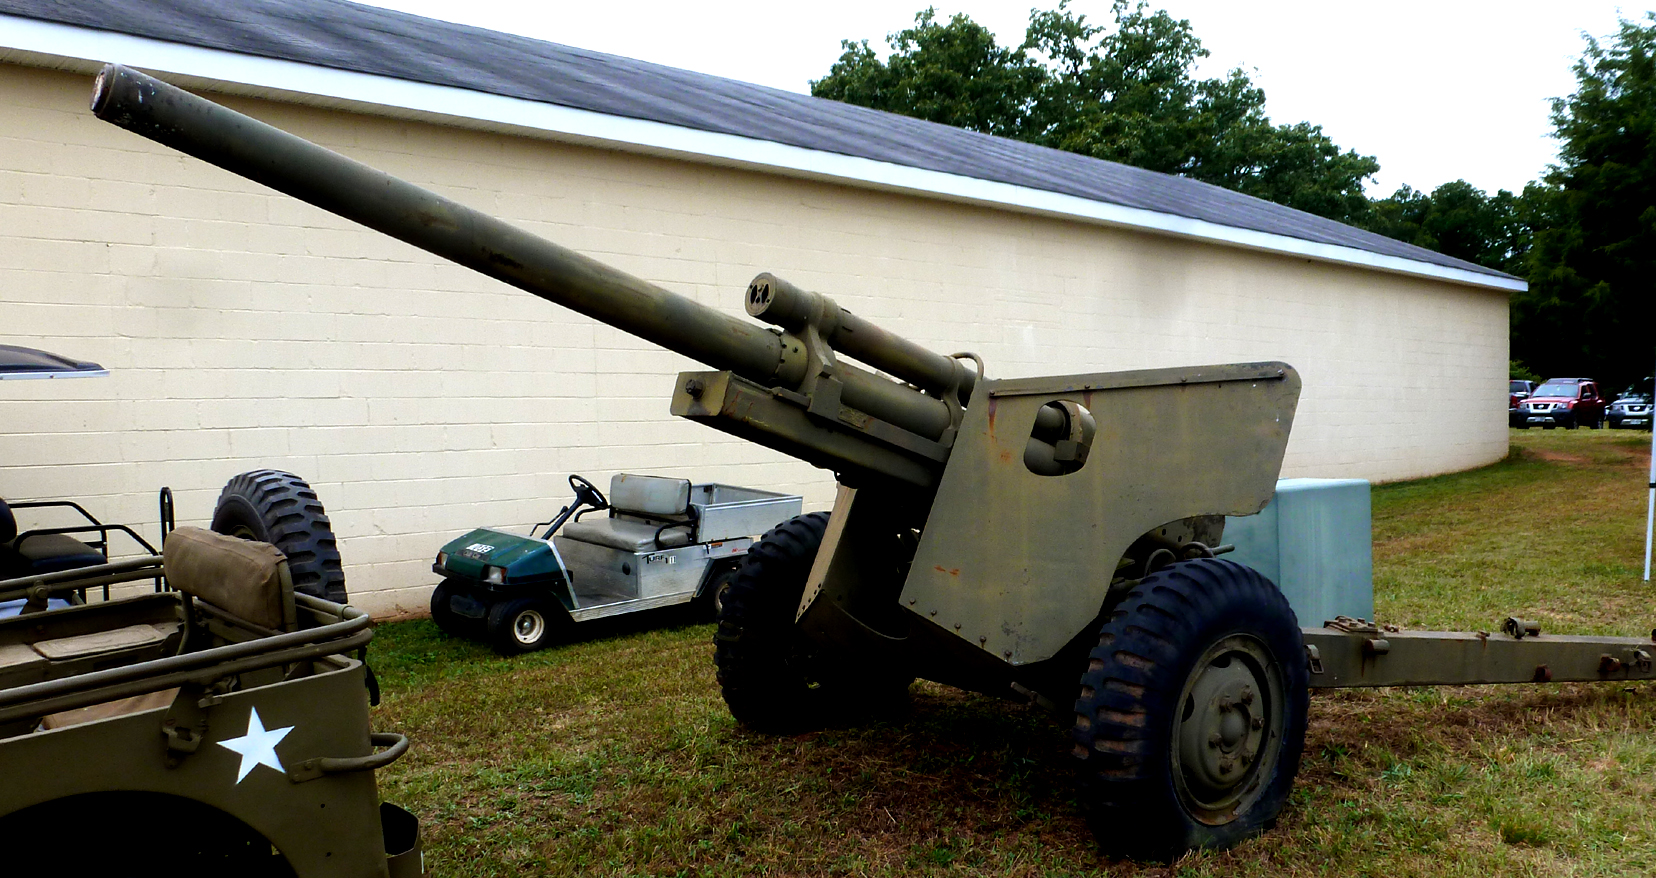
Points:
point(662, 558)
point(477, 551)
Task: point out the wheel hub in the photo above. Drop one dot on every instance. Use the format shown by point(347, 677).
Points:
point(528, 627)
point(1229, 722)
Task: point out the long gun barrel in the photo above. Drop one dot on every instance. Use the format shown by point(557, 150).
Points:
point(796, 359)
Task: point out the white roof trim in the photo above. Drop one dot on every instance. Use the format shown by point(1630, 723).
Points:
point(304, 83)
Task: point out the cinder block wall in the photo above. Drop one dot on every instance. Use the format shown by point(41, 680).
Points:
point(246, 330)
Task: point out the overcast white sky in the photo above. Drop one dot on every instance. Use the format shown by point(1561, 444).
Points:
point(1435, 90)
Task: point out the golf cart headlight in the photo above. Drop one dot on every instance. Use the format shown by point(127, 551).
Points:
point(442, 560)
point(494, 575)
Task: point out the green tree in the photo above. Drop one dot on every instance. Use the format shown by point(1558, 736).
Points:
point(1460, 220)
point(1126, 93)
point(1129, 95)
point(1593, 261)
point(949, 72)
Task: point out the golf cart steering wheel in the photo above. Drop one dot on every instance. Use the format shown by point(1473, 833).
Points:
point(585, 492)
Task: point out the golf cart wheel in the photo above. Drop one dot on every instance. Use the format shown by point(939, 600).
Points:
point(1192, 712)
point(718, 588)
point(442, 611)
point(772, 678)
point(279, 508)
point(523, 625)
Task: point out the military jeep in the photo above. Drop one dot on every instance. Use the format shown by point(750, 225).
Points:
point(220, 724)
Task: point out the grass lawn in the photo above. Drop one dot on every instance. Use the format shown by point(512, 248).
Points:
point(615, 756)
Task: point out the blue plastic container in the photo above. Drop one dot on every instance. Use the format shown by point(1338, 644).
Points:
point(1314, 540)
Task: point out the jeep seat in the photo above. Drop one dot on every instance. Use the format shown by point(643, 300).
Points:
point(31, 555)
point(647, 513)
point(246, 579)
point(243, 578)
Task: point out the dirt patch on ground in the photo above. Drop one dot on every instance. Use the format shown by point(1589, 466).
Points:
point(1554, 456)
point(1599, 453)
point(1633, 455)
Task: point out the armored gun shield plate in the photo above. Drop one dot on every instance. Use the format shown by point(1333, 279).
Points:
point(1018, 575)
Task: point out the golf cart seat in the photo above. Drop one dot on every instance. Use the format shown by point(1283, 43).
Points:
point(647, 513)
point(34, 554)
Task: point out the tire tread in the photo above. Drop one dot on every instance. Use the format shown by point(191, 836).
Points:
point(1135, 676)
point(305, 534)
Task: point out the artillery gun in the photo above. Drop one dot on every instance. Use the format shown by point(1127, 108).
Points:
point(1046, 539)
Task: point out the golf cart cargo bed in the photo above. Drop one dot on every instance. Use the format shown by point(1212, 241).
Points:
point(727, 512)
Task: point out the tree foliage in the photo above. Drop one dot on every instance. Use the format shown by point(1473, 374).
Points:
point(1458, 219)
point(1126, 93)
point(952, 73)
point(1594, 254)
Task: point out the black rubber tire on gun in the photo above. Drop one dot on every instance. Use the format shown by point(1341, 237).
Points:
point(279, 508)
point(1192, 712)
point(772, 678)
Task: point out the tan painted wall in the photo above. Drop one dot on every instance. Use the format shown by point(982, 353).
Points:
point(244, 329)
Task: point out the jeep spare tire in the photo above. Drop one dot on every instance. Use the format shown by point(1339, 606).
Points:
point(279, 508)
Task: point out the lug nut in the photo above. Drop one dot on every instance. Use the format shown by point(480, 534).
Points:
point(1258, 722)
point(1247, 695)
point(1225, 703)
point(1214, 740)
point(1226, 766)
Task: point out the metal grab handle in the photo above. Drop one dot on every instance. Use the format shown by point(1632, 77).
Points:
point(311, 769)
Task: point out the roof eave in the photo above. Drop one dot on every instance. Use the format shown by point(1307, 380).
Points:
point(67, 47)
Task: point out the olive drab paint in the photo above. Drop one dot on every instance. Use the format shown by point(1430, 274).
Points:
point(985, 529)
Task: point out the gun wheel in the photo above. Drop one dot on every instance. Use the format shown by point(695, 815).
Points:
point(773, 679)
point(1192, 711)
point(279, 508)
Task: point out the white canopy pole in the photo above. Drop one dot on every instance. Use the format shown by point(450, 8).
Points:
point(1650, 510)
point(1650, 505)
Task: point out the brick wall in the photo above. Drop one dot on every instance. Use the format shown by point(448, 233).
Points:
point(244, 329)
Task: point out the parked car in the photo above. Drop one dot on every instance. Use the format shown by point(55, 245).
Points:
point(1630, 412)
point(1518, 390)
point(1561, 402)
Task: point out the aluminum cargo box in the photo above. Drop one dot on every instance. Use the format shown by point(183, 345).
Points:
point(725, 512)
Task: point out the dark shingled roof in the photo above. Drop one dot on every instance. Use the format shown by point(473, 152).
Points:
point(364, 39)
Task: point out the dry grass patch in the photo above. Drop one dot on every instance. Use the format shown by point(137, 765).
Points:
point(615, 756)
